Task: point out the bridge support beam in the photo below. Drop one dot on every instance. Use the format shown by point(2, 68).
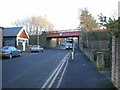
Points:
point(48, 42)
point(52, 42)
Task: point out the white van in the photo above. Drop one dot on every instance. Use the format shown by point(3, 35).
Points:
point(69, 44)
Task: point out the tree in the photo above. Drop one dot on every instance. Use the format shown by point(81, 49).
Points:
point(35, 24)
point(87, 21)
point(112, 25)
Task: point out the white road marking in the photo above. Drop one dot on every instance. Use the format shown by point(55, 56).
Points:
point(55, 73)
point(60, 80)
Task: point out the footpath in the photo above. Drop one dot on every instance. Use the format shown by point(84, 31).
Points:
point(82, 73)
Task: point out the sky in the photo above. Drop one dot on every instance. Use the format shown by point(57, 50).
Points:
point(63, 14)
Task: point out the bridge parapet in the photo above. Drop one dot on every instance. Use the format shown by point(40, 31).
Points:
point(62, 31)
point(63, 34)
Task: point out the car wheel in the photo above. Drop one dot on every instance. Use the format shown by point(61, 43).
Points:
point(10, 56)
point(20, 54)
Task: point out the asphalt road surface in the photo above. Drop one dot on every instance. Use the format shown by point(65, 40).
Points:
point(31, 70)
point(82, 73)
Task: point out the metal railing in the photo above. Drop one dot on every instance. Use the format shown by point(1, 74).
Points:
point(61, 31)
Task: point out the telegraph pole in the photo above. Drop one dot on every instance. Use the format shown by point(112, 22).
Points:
point(38, 42)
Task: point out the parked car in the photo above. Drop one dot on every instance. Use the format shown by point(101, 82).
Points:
point(36, 48)
point(10, 51)
point(63, 44)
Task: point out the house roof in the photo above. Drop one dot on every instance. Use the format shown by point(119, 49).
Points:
point(11, 31)
point(1, 27)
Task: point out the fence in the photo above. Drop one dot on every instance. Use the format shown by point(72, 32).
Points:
point(94, 41)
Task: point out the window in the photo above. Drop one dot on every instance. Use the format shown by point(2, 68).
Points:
point(5, 48)
point(13, 48)
point(22, 40)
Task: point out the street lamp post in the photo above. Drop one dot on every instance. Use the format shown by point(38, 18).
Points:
point(39, 33)
point(38, 40)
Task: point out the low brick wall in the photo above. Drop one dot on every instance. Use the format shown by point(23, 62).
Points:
point(116, 61)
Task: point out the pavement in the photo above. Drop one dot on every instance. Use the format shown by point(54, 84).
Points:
point(82, 73)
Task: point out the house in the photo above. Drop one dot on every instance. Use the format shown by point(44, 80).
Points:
point(15, 36)
point(1, 37)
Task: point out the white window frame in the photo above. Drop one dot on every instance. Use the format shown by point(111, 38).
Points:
point(26, 40)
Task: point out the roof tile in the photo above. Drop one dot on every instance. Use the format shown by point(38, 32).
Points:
point(11, 31)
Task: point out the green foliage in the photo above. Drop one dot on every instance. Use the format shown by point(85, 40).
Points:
point(111, 24)
point(42, 39)
point(95, 35)
point(87, 21)
point(33, 40)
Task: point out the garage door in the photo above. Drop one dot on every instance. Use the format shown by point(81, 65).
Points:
point(9, 42)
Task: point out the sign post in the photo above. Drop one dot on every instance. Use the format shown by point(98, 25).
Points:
point(72, 55)
point(72, 51)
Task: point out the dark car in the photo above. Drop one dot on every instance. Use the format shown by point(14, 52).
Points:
point(10, 51)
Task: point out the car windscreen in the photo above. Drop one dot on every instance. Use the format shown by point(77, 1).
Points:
point(69, 42)
point(35, 47)
point(5, 48)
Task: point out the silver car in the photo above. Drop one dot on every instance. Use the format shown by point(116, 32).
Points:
point(36, 48)
point(10, 51)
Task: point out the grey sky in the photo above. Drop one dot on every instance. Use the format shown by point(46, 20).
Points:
point(62, 13)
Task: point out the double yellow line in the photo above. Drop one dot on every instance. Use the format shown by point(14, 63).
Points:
point(52, 78)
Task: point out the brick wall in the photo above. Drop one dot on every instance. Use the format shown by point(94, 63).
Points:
point(116, 61)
